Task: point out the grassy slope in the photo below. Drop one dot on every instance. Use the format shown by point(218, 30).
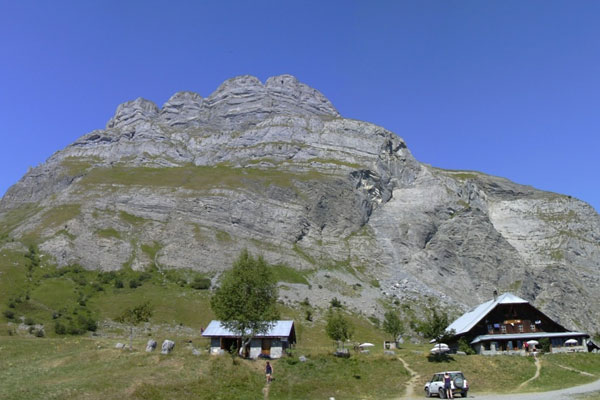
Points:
point(84, 367)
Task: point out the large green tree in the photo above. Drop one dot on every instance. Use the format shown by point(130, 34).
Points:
point(338, 328)
point(393, 325)
point(245, 301)
point(434, 327)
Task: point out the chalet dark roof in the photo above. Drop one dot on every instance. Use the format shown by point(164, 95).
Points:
point(279, 329)
point(468, 320)
point(526, 336)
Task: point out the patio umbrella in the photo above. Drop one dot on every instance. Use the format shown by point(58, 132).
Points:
point(439, 350)
point(366, 345)
point(571, 341)
point(533, 342)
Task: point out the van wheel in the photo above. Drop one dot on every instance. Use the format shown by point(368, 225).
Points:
point(442, 393)
point(427, 394)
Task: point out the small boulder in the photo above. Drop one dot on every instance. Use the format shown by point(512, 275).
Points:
point(196, 352)
point(119, 346)
point(302, 359)
point(167, 347)
point(389, 352)
point(151, 345)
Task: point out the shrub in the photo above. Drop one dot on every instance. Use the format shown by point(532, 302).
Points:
point(308, 315)
point(463, 345)
point(87, 323)
point(134, 283)
point(29, 321)
point(60, 329)
point(107, 277)
point(40, 333)
point(9, 314)
point(200, 283)
point(335, 303)
point(119, 284)
point(545, 345)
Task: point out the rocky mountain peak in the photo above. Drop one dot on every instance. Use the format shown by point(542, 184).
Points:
point(132, 112)
point(287, 90)
point(181, 108)
point(238, 101)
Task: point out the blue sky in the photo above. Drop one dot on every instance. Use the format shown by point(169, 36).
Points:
point(510, 88)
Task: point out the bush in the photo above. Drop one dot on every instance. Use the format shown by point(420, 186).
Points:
point(107, 277)
point(545, 345)
point(335, 303)
point(9, 314)
point(200, 283)
point(29, 321)
point(308, 315)
point(463, 345)
point(40, 333)
point(134, 283)
point(119, 284)
point(60, 329)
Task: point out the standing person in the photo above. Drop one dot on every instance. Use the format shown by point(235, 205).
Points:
point(269, 372)
point(448, 386)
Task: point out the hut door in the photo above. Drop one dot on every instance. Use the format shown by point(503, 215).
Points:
point(266, 347)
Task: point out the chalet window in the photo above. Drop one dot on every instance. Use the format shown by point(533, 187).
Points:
point(486, 345)
point(532, 327)
point(503, 329)
point(520, 328)
point(490, 328)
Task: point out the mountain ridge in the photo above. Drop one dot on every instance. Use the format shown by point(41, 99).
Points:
point(276, 169)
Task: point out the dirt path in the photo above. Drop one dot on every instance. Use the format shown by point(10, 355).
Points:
point(266, 391)
point(575, 370)
point(562, 394)
point(414, 377)
point(538, 368)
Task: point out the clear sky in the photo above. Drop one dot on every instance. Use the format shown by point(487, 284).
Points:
point(509, 88)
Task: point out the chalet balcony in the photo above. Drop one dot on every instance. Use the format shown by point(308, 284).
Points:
point(514, 326)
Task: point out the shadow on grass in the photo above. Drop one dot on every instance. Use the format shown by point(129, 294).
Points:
point(439, 358)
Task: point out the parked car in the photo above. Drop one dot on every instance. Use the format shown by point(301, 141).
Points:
point(436, 385)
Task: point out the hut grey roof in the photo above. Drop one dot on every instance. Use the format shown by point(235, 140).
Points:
point(527, 336)
point(279, 329)
point(469, 319)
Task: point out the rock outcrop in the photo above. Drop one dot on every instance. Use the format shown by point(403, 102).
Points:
point(274, 168)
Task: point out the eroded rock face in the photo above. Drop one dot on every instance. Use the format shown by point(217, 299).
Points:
point(274, 168)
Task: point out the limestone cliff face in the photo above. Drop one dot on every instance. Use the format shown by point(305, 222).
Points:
point(274, 168)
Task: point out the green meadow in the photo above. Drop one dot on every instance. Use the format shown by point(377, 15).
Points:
point(58, 336)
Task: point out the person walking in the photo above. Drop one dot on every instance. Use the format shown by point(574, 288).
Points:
point(269, 372)
point(448, 386)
